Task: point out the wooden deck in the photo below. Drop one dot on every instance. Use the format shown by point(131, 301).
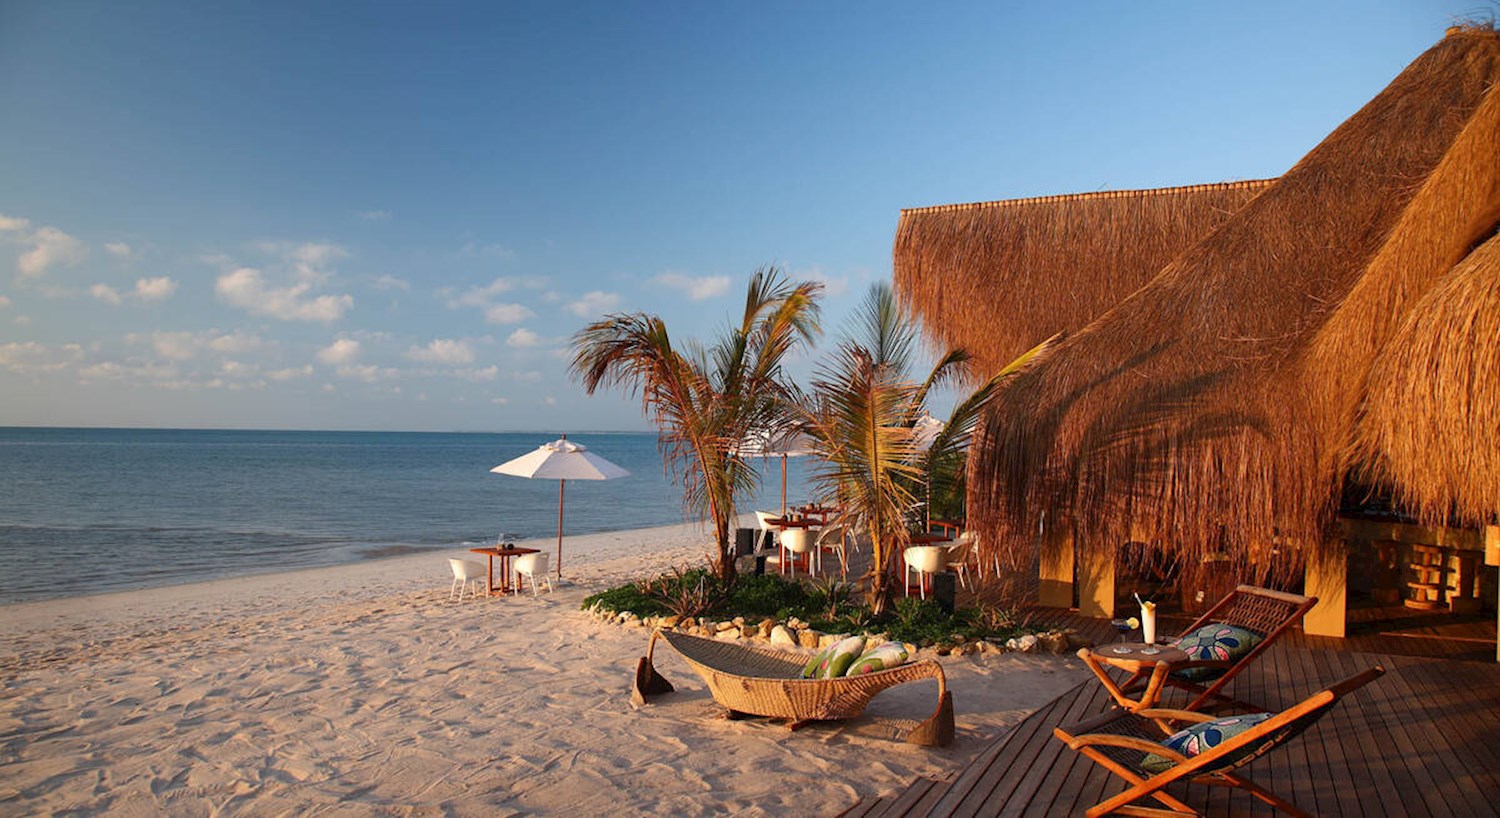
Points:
point(1423, 740)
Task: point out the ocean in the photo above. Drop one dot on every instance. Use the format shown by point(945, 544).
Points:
point(97, 510)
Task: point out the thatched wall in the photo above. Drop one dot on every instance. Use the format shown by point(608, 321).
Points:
point(1215, 406)
point(1000, 277)
point(1431, 425)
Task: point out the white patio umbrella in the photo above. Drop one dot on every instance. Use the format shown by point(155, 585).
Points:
point(924, 434)
point(787, 444)
point(561, 460)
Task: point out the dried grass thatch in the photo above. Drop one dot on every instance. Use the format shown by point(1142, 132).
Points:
point(1431, 425)
point(998, 278)
point(1215, 406)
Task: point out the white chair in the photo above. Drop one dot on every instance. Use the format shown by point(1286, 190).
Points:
point(800, 542)
point(465, 572)
point(765, 518)
point(961, 554)
point(924, 559)
point(835, 538)
point(534, 568)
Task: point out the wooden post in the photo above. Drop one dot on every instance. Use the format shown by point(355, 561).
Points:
point(1055, 572)
point(1096, 583)
point(1327, 578)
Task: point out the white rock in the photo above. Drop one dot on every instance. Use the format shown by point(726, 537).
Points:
point(781, 636)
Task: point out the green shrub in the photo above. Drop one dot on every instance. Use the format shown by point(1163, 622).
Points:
point(828, 607)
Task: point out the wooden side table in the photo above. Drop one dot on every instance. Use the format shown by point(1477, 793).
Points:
point(1132, 658)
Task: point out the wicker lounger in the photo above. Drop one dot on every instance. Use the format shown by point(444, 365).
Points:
point(765, 682)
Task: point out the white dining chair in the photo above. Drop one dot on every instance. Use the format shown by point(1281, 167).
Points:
point(835, 538)
point(961, 555)
point(924, 559)
point(534, 568)
point(800, 542)
point(465, 573)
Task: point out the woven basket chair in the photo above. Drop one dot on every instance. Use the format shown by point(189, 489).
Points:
point(1120, 740)
point(1262, 610)
point(765, 682)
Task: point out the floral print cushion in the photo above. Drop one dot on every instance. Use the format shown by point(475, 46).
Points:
point(1218, 642)
point(1200, 738)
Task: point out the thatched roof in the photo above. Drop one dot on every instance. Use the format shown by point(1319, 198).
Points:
point(1431, 425)
point(1216, 405)
point(998, 278)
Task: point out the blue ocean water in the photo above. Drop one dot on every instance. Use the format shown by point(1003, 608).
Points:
point(96, 510)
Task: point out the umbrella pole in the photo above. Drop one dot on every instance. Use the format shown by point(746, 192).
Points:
point(561, 484)
point(783, 486)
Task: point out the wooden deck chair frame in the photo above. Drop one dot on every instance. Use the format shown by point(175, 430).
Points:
point(1262, 610)
point(1118, 740)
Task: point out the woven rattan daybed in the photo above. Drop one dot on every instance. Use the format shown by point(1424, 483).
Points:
point(768, 682)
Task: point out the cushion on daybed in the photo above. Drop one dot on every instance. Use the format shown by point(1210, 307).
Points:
point(880, 657)
point(832, 663)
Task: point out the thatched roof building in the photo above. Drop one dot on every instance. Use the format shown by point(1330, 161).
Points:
point(1001, 277)
point(1216, 400)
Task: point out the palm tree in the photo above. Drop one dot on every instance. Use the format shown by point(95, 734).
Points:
point(861, 415)
point(706, 401)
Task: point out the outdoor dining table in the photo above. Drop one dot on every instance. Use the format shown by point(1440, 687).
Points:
point(504, 553)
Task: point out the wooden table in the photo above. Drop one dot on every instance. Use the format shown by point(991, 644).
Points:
point(925, 538)
point(1132, 658)
point(504, 554)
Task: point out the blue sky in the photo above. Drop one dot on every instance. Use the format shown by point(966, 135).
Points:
point(393, 216)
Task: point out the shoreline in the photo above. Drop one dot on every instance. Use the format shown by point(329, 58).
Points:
point(361, 688)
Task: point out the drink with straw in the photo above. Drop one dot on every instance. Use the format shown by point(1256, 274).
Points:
point(1148, 623)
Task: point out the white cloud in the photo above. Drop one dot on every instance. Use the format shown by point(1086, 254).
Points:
point(342, 351)
point(392, 283)
point(549, 400)
point(368, 373)
point(4, 302)
point(105, 293)
point(523, 338)
point(49, 247)
point(234, 343)
point(593, 304)
point(30, 357)
point(291, 373)
point(480, 250)
point(488, 373)
point(699, 288)
point(443, 351)
point(483, 296)
point(11, 224)
point(118, 249)
point(133, 371)
point(499, 401)
point(154, 289)
point(833, 286)
point(247, 289)
point(374, 215)
point(507, 313)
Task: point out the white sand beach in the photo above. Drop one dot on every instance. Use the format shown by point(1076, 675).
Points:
point(362, 690)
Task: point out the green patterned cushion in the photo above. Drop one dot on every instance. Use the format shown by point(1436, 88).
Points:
point(881, 657)
point(1218, 642)
point(810, 670)
point(1200, 738)
point(837, 659)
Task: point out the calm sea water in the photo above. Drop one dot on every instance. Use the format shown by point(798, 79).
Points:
point(94, 510)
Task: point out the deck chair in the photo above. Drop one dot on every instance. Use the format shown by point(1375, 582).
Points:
point(1122, 742)
point(1266, 612)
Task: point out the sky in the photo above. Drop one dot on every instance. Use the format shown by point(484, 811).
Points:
point(394, 216)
